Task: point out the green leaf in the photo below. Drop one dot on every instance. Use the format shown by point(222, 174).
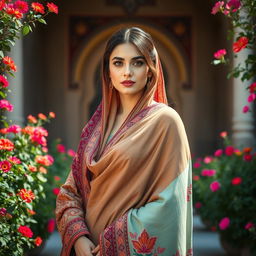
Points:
point(25, 30)
point(1, 54)
point(42, 21)
point(30, 178)
point(41, 177)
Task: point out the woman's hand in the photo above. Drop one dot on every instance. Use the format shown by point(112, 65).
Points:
point(83, 246)
point(96, 250)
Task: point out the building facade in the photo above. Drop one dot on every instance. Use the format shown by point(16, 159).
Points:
point(60, 67)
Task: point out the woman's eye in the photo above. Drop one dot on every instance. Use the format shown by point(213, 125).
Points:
point(117, 63)
point(138, 63)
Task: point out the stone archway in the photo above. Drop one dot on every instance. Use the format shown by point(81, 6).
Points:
point(86, 70)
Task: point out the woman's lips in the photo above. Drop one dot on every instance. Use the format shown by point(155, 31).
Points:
point(127, 83)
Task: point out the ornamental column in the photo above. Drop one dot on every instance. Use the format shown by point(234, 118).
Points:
point(242, 123)
point(16, 85)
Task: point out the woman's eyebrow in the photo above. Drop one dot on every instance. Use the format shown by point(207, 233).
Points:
point(134, 58)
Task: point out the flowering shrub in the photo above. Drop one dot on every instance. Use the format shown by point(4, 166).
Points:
point(23, 150)
point(23, 166)
point(224, 193)
point(56, 175)
point(242, 15)
point(16, 17)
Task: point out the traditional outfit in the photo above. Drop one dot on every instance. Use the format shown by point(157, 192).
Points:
point(130, 193)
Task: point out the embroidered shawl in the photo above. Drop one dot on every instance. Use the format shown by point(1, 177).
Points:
point(132, 194)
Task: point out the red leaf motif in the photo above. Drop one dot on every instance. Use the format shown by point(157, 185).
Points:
point(144, 244)
point(133, 235)
point(160, 250)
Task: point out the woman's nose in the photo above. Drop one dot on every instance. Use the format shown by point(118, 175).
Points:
point(127, 70)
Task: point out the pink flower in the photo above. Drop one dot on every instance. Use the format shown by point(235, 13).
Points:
point(224, 223)
point(247, 157)
point(214, 186)
point(218, 152)
point(229, 150)
point(234, 4)
point(217, 7)
point(3, 81)
point(208, 172)
point(22, 6)
point(223, 134)
point(38, 136)
point(14, 159)
point(236, 181)
point(14, 128)
point(251, 97)
point(56, 191)
point(252, 88)
point(3, 211)
point(5, 104)
point(61, 148)
point(5, 166)
point(246, 109)
point(249, 225)
point(71, 152)
point(197, 165)
point(198, 205)
point(196, 177)
point(51, 225)
point(220, 54)
point(208, 159)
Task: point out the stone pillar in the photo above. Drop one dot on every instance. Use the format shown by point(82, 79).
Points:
point(242, 123)
point(16, 85)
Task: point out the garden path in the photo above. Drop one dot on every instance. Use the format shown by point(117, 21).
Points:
point(206, 243)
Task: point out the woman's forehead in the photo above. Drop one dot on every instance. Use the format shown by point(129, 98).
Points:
point(125, 51)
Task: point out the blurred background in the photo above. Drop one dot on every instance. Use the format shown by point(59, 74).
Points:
point(61, 66)
point(59, 71)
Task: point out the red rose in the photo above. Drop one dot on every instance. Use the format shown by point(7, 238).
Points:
point(38, 241)
point(236, 181)
point(51, 225)
point(240, 44)
point(56, 191)
point(25, 231)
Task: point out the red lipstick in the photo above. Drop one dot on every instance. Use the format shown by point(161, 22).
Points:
point(127, 83)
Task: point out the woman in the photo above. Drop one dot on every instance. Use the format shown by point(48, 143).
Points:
point(129, 190)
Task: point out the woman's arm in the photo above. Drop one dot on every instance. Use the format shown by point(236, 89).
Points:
point(70, 215)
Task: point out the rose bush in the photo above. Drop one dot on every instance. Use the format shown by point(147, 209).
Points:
point(242, 14)
point(23, 150)
point(23, 167)
point(224, 194)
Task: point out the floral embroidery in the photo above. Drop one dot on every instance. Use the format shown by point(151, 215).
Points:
point(189, 192)
point(145, 244)
point(190, 252)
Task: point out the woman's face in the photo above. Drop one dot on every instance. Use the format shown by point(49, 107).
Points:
point(128, 69)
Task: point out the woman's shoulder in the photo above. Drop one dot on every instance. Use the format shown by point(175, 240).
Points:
point(167, 114)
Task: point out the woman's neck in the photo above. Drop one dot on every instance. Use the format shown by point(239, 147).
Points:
point(127, 103)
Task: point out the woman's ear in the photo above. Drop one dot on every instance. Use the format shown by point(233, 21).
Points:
point(150, 74)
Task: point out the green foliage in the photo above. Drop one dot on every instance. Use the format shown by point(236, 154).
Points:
point(23, 179)
point(235, 201)
point(20, 175)
point(56, 176)
point(242, 25)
